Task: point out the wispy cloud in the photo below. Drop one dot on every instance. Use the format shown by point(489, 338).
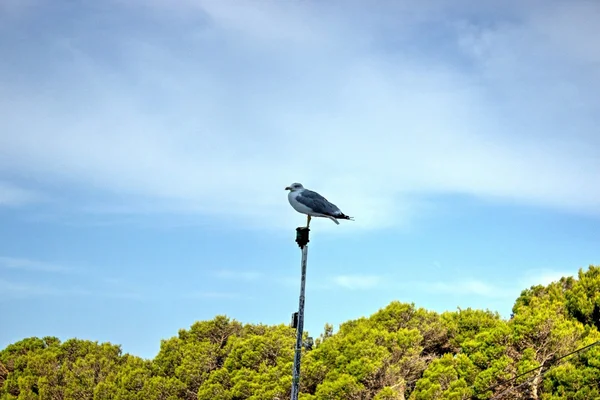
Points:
point(469, 287)
point(12, 289)
point(19, 289)
point(474, 287)
point(357, 282)
point(211, 295)
point(237, 275)
point(80, 282)
point(11, 195)
point(16, 8)
point(26, 264)
point(543, 276)
point(370, 105)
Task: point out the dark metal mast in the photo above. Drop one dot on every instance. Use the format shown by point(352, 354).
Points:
point(302, 240)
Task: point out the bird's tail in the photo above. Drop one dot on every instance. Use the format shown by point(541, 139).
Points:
point(344, 216)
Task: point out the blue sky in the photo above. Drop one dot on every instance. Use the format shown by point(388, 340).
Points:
point(145, 147)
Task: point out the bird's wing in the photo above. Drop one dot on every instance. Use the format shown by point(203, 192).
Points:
point(317, 203)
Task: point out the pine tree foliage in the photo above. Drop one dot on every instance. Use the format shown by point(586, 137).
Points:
point(401, 352)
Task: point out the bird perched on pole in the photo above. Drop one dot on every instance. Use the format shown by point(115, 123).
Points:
point(313, 204)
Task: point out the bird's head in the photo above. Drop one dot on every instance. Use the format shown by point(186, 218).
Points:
point(295, 186)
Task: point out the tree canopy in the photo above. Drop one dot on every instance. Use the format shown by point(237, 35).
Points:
point(399, 352)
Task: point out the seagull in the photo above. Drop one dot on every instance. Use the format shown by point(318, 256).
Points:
point(313, 204)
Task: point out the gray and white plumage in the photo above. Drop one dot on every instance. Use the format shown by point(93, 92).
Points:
point(313, 204)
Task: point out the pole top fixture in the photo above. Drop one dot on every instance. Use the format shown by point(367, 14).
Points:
point(302, 236)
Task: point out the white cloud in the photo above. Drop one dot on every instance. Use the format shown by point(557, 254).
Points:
point(468, 288)
point(31, 265)
point(508, 112)
point(238, 275)
point(360, 282)
point(543, 277)
point(69, 282)
point(16, 8)
point(211, 295)
point(11, 195)
point(20, 290)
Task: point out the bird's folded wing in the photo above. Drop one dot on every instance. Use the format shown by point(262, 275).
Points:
point(316, 202)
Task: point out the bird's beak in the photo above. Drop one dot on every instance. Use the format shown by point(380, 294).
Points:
point(288, 188)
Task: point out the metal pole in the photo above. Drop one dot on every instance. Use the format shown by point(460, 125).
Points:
point(302, 240)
